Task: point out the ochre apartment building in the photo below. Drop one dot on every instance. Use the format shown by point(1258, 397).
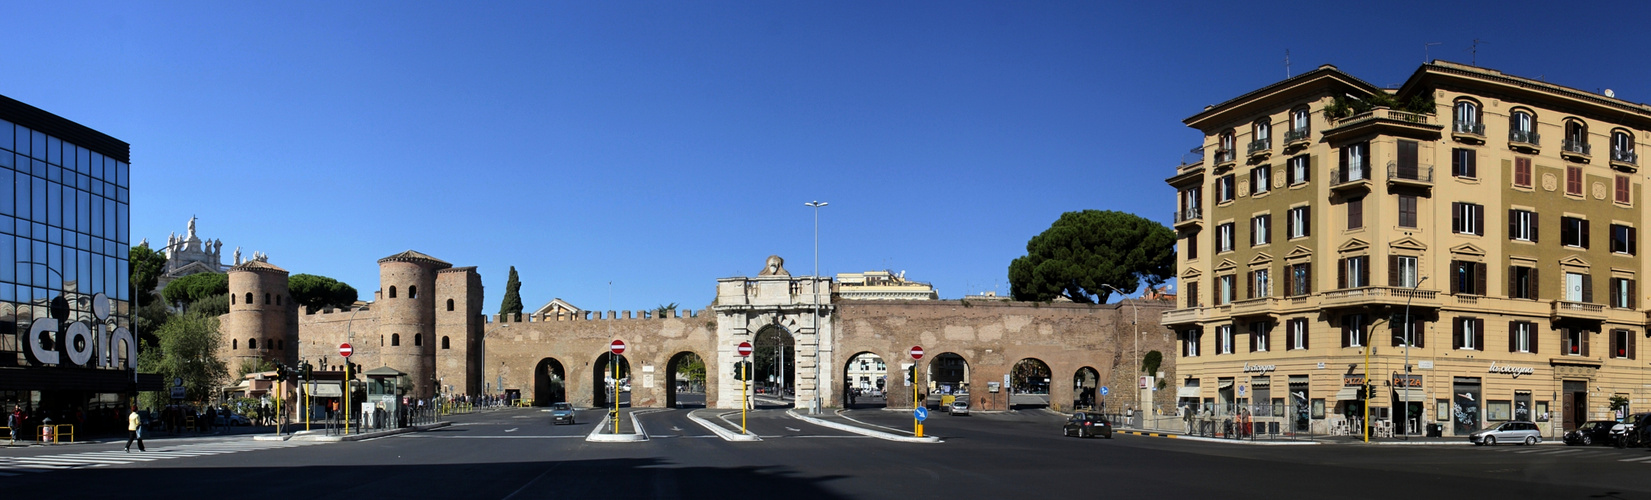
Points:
point(1496, 216)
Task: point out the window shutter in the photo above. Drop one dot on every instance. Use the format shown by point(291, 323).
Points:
point(1289, 281)
point(1341, 273)
point(1289, 225)
point(1633, 296)
point(1584, 236)
point(1253, 337)
point(1392, 270)
point(1631, 346)
point(1355, 213)
point(1456, 162)
point(1584, 335)
point(1479, 334)
point(1534, 338)
point(1267, 341)
point(1418, 334)
point(1307, 173)
point(1290, 172)
point(1267, 232)
point(1588, 288)
point(1346, 333)
point(1513, 336)
point(1456, 333)
point(1513, 223)
point(1306, 335)
point(1612, 294)
point(1536, 285)
point(1633, 241)
point(1456, 217)
point(1186, 341)
point(1396, 331)
point(1513, 281)
point(1471, 161)
point(1479, 278)
point(1249, 285)
point(1455, 284)
point(1478, 220)
point(1343, 168)
point(1306, 221)
point(1309, 273)
point(1364, 270)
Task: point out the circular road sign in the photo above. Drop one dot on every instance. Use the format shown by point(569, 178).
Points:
point(917, 352)
point(345, 350)
point(745, 349)
point(920, 414)
point(618, 346)
point(1104, 390)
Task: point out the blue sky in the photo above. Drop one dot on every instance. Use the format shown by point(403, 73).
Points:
point(663, 145)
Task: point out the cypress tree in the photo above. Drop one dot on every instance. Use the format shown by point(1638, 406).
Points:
point(512, 294)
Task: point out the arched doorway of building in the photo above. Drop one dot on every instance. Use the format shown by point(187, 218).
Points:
point(1029, 379)
point(549, 383)
point(604, 384)
point(947, 375)
point(685, 379)
point(774, 361)
point(865, 377)
point(1084, 383)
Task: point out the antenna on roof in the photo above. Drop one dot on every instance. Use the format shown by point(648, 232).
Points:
point(1426, 56)
point(1286, 64)
point(1475, 50)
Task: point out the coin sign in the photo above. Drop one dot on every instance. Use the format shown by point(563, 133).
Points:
point(345, 350)
point(917, 352)
point(618, 346)
point(745, 349)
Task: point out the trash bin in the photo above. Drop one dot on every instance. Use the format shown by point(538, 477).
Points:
point(1435, 430)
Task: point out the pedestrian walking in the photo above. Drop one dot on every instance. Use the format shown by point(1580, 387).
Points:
point(134, 430)
point(14, 423)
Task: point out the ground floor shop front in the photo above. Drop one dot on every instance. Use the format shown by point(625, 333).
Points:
point(1439, 397)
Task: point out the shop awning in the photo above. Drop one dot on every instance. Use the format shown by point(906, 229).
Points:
point(1187, 392)
point(1348, 394)
point(1260, 383)
point(1225, 384)
point(1416, 395)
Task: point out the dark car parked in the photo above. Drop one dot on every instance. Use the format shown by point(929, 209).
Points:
point(1592, 432)
point(1084, 424)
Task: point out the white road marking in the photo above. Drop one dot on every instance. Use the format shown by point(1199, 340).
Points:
point(512, 429)
point(11, 466)
point(1635, 459)
point(793, 429)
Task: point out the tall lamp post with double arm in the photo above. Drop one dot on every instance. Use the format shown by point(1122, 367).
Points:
point(818, 386)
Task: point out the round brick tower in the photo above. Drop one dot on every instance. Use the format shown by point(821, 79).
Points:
point(259, 324)
point(406, 310)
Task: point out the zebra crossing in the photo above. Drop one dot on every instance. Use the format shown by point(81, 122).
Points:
point(1634, 455)
point(158, 451)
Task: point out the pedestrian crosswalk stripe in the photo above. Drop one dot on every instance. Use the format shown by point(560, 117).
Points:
point(1635, 459)
point(13, 466)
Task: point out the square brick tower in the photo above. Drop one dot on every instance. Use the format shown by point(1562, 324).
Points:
point(459, 329)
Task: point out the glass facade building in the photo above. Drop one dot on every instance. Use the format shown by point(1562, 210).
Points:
point(64, 234)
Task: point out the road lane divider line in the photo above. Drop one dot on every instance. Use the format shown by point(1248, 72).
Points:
point(862, 431)
point(725, 434)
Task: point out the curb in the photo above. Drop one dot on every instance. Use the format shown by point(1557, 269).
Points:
point(862, 431)
point(1184, 437)
point(365, 435)
point(596, 435)
point(725, 434)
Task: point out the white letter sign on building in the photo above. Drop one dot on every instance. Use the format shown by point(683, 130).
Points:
point(1516, 371)
point(90, 344)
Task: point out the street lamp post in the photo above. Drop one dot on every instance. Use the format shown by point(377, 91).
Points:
point(1135, 335)
point(816, 301)
point(1408, 336)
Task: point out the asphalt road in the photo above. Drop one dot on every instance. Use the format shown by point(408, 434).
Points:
point(518, 454)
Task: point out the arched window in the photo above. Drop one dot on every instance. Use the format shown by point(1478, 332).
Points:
point(395, 339)
point(1467, 118)
point(252, 343)
point(266, 298)
point(1224, 150)
point(418, 339)
point(280, 345)
point(1261, 130)
point(236, 344)
point(412, 291)
point(1298, 120)
point(392, 291)
point(381, 341)
point(277, 300)
point(232, 299)
point(444, 342)
point(1622, 147)
point(249, 301)
point(1522, 127)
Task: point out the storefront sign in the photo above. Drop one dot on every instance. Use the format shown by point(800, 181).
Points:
point(89, 344)
point(1401, 381)
point(1249, 368)
point(1352, 380)
point(1516, 371)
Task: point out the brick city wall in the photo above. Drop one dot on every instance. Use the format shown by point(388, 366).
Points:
point(515, 349)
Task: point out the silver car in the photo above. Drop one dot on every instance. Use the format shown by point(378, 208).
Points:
point(1516, 431)
point(960, 407)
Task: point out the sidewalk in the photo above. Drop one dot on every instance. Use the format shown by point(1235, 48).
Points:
point(149, 436)
point(1349, 440)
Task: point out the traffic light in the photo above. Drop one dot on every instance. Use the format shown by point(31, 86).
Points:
point(742, 370)
point(305, 370)
point(280, 371)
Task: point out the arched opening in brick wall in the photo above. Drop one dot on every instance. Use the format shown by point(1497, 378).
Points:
point(685, 381)
point(947, 374)
point(603, 383)
point(549, 382)
point(865, 377)
point(1084, 384)
point(1030, 380)
point(773, 366)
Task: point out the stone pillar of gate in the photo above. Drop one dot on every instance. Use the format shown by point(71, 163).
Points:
point(745, 305)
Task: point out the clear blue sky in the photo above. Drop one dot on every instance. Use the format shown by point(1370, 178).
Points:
point(663, 145)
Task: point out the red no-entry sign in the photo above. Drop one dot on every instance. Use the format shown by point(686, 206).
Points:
point(345, 350)
point(745, 349)
point(618, 346)
point(917, 352)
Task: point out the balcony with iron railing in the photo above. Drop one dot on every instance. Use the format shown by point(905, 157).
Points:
point(1421, 298)
point(1468, 131)
point(1624, 158)
point(1575, 149)
point(1524, 139)
point(1354, 176)
point(1224, 155)
point(1297, 137)
point(1578, 310)
point(1187, 215)
point(1260, 147)
point(1414, 175)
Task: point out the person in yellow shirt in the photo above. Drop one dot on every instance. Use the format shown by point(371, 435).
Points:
point(134, 423)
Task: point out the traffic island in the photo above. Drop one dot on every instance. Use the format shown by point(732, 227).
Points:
point(863, 431)
point(321, 436)
point(630, 431)
point(723, 432)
